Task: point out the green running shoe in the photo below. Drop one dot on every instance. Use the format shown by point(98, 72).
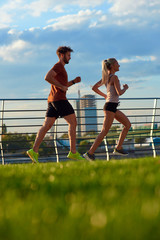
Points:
point(75, 156)
point(33, 156)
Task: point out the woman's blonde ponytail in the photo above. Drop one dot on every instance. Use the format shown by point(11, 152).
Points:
point(106, 65)
point(105, 75)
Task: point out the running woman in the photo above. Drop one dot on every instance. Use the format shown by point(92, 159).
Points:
point(111, 81)
point(58, 105)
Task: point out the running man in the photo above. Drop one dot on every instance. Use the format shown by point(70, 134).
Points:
point(58, 105)
point(111, 81)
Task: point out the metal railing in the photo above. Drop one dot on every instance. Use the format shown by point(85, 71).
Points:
point(22, 118)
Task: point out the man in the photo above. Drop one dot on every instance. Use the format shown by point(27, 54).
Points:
point(58, 105)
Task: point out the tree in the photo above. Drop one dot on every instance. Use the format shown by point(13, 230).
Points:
point(15, 142)
point(64, 135)
point(140, 140)
point(114, 128)
point(4, 129)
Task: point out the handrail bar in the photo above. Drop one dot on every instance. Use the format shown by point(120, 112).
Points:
point(41, 99)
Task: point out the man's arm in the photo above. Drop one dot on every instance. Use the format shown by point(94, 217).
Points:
point(76, 80)
point(50, 77)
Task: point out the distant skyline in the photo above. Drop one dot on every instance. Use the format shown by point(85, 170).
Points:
point(31, 31)
point(87, 111)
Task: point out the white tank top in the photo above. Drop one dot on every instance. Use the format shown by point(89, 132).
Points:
point(112, 95)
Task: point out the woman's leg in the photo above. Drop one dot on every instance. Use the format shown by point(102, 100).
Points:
point(108, 120)
point(121, 117)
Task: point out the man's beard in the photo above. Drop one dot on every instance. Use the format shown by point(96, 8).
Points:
point(65, 60)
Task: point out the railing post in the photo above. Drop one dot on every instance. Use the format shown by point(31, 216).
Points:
point(152, 127)
point(106, 147)
point(55, 140)
point(2, 116)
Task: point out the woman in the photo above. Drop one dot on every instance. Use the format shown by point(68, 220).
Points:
point(111, 81)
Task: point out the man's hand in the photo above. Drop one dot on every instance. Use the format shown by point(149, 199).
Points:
point(77, 79)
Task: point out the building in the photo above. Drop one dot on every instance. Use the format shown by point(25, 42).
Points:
point(78, 114)
point(88, 114)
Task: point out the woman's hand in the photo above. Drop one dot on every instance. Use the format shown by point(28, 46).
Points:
point(125, 86)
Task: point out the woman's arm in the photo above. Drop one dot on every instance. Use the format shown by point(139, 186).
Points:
point(95, 88)
point(118, 87)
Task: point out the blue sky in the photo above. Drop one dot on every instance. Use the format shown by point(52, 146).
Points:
point(31, 31)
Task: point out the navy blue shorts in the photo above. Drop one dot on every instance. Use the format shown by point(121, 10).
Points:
point(110, 106)
point(60, 108)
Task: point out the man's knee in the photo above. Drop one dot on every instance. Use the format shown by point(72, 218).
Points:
point(73, 124)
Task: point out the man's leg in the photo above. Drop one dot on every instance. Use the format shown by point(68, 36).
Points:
point(48, 123)
point(72, 124)
point(33, 153)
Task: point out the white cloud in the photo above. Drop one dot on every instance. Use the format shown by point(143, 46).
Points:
point(88, 3)
point(58, 9)
point(7, 12)
point(5, 18)
point(138, 58)
point(16, 51)
point(134, 12)
point(14, 32)
point(72, 21)
point(121, 12)
point(32, 29)
point(134, 7)
point(153, 58)
point(36, 8)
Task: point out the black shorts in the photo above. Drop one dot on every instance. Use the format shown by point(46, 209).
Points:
point(110, 106)
point(60, 108)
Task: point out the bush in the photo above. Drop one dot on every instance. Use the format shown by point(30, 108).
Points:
point(84, 146)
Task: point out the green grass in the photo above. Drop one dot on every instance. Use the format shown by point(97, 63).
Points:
point(98, 200)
